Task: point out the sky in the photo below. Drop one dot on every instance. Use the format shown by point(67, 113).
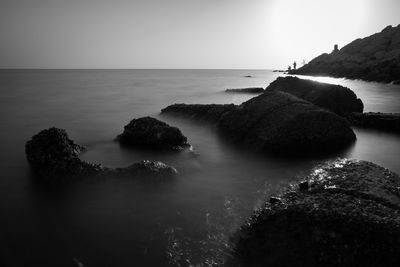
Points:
point(195, 34)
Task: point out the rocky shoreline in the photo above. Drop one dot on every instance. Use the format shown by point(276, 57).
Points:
point(374, 58)
point(345, 213)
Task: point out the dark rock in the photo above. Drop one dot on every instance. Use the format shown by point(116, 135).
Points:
point(149, 132)
point(275, 121)
point(248, 76)
point(250, 90)
point(379, 121)
point(336, 98)
point(52, 153)
point(274, 200)
point(53, 157)
point(349, 217)
point(280, 122)
point(210, 113)
point(374, 58)
point(146, 167)
point(303, 186)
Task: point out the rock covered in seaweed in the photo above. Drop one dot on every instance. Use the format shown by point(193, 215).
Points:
point(148, 132)
point(275, 121)
point(336, 98)
point(53, 156)
point(348, 215)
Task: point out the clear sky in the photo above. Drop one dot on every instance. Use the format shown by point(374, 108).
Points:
point(182, 33)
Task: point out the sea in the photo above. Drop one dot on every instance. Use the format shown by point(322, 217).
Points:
point(190, 220)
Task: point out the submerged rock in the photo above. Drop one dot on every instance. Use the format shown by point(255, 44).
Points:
point(250, 90)
point(379, 121)
point(53, 156)
point(149, 132)
point(373, 58)
point(275, 121)
point(349, 215)
point(336, 98)
point(147, 167)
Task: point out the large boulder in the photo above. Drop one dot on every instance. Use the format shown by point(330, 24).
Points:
point(148, 132)
point(53, 156)
point(336, 98)
point(376, 120)
point(373, 58)
point(345, 213)
point(275, 121)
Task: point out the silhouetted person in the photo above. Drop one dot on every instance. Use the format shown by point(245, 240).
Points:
point(294, 65)
point(335, 48)
point(289, 68)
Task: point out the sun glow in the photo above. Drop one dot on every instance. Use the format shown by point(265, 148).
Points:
point(304, 29)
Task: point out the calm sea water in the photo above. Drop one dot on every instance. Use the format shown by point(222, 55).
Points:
point(187, 220)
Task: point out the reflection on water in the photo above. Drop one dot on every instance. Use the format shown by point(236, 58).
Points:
point(185, 221)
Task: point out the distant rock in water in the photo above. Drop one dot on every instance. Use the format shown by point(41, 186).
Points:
point(336, 98)
point(275, 121)
point(53, 156)
point(148, 132)
point(379, 121)
point(347, 215)
point(250, 90)
point(374, 58)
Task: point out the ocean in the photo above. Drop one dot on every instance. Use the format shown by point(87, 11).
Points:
point(185, 221)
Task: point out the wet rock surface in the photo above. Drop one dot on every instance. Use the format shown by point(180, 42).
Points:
point(376, 120)
point(148, 132)
point(374, 58)
point(53, 156)
point(348, 215)
point(250, 90)
point(336, 98)
point(275, 121)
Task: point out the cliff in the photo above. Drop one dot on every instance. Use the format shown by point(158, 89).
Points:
point(374, 58)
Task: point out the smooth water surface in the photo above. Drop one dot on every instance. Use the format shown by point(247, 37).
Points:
point(122, 222)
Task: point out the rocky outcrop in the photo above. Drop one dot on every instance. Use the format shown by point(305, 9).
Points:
point(345, 213)
point(275, 121)
point(148, 132)
point(336, 98)
point(379, 121)
point(374, 58)
point(53, 156)
point(250, 90)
